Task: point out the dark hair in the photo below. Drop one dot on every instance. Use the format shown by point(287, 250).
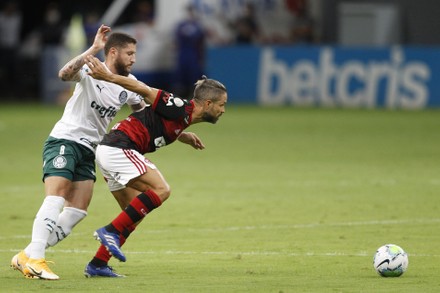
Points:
point(208, 89)
point(119, 41)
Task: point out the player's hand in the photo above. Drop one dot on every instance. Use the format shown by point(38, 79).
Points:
point(97, 69)
point(192, 139)
point(101, 37)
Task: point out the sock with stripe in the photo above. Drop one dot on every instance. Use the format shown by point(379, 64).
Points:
point(44, 224)
point(125, 222)
point(138, 208)
point(67, 220)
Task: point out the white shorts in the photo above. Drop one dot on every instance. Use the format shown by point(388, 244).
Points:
point(118, 166)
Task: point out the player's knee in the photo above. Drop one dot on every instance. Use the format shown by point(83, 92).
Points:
point(163, 192)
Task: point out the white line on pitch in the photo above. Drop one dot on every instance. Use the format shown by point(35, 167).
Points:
point(230, 253)
point(273, 227)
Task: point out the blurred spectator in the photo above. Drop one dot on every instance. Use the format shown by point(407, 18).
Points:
point(10, 37)
point(190, 45)
point(303, 27)
point(52, 29)
point(52, 33)
point(91, 26)
point(75, 39)
point(144, 12)
point(246, 27)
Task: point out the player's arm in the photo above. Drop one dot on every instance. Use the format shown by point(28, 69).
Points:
point(98, 71)
point(70, 71)
point(192, 139)
point(138, 107)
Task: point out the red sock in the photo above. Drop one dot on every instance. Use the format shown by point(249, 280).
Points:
point(138, 208)
point(124, 223)
point(102, 254)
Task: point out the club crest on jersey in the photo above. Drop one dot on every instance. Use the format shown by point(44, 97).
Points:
point(59, 162)
point(123, 97)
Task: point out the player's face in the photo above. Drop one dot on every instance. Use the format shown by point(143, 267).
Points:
point(125, 59)
point(215, 109)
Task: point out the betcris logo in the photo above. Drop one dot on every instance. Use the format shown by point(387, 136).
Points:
point(343, 78)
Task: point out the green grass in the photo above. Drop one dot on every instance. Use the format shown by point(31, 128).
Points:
point(281, 200)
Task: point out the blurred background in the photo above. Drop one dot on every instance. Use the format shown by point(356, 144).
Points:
point(334, 53)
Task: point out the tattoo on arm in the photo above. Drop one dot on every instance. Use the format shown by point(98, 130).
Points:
point(71, 69)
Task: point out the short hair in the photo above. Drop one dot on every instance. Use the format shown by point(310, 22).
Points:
point(208, 89)
point(119, 41)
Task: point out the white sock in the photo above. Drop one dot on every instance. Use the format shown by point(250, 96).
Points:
point(44, 223)
point(68, 219)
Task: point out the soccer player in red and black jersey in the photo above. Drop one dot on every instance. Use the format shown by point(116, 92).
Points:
point(135, 182)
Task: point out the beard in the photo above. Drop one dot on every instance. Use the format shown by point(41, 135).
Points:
point(121, 69)
point(208, 117)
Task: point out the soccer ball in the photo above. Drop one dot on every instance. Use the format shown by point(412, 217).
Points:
point(390, 260)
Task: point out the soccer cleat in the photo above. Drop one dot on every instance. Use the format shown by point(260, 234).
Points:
point(39, 268)
point(18, 263)
point(111, 242)
point(105, 271)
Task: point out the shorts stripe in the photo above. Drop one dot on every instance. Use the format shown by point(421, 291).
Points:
point(140, 165)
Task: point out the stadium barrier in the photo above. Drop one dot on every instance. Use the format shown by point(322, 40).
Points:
point(396, 77)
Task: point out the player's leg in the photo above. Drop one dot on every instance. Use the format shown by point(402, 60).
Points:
point(125, 196)
point(98, 266)
point(78, 200)
point(108, 158)
point(75, 210)
point(44, 223)
point(130, 168)
point(56, 188)
point(60, 158)
point(115, 233)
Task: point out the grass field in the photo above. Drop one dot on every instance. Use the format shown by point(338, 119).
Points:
point(281, 200)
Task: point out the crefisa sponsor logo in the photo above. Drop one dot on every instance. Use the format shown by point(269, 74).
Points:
point(334, 81)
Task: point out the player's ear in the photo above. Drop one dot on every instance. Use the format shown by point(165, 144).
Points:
point(113, 51)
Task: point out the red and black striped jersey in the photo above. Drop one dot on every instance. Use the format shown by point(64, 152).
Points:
point(154, 126)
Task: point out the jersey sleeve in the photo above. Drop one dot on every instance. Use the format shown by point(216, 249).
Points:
point(133, 98)
point(169, 106)
point(83, 71)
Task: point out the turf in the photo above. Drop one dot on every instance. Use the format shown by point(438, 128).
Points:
point(281, 200)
